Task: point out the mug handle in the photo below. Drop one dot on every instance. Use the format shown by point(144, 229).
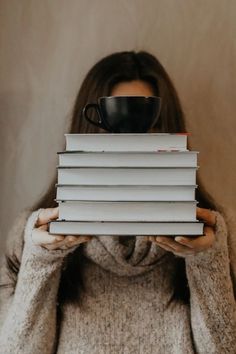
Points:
point(85, 111)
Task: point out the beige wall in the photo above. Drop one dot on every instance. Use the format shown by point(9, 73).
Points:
point(48, 46)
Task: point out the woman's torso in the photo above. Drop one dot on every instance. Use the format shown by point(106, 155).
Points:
point(127, 315)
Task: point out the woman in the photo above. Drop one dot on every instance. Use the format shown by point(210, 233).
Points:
point(74, 294)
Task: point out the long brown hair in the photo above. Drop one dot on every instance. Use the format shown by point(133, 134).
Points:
point(115, 68)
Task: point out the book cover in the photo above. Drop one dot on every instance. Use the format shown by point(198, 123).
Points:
point(125, 193)
point(127, 211)
point(127, 176)
point(126, 142)
point(128, 159)
point(126, 228)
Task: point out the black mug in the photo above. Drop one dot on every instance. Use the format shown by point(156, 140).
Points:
point(125, 114)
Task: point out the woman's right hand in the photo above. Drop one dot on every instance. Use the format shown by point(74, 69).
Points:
point(41, 236)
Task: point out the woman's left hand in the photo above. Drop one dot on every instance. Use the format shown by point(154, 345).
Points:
point(183, 246)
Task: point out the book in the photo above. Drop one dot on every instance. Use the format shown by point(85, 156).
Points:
point(125, 193)
point(127, 211)
point(126, 142)
point(126, 228)
point(128, 159)
point(128, 176)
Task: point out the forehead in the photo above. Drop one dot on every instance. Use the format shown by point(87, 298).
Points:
point(135, 87)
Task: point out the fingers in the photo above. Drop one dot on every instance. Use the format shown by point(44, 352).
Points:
point(182, 246)
point(169, 244)
point(41, 236)
point(68, 242)
point(199, 243)
point(47, 215)
point(207, 215)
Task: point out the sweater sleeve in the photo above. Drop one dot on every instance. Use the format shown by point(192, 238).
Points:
point(28, 304)
point(212, 302)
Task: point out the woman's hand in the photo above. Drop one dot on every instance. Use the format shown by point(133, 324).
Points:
point(41, 236)
point(183, 246)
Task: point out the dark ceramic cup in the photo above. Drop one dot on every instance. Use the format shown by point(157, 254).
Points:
point(125, 114)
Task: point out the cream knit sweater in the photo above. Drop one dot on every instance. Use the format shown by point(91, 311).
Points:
point(125, 308)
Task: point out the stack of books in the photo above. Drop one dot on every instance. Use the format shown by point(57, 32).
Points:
point(127, 184)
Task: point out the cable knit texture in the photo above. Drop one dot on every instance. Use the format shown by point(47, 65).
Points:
point(129, 284)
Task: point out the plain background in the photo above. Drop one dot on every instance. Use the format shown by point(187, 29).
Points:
point(48, 46)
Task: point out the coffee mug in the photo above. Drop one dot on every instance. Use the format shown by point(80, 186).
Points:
point(125, 114)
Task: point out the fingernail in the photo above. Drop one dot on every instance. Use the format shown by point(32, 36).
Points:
point(59, 238)
point(179, 238)
point(183, 240)
point(159, 239)
point(71, 239)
